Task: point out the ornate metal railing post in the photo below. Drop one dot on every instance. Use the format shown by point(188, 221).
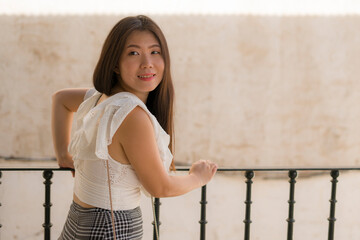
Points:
point(156, 229)
point(203, 221)
point(334, 174)
point(291, 220)
point(47, 174)
point(249, 175)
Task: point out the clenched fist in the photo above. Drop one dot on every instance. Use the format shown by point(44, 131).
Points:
point(204, 170)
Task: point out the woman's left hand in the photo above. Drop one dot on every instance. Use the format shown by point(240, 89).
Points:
point(66, 161)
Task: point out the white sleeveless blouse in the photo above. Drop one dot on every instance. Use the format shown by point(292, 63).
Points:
point(93, 130)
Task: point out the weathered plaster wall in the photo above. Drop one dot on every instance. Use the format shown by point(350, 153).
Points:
point(250, 90)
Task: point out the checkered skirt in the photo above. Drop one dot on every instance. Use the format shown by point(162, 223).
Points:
point(95, 224)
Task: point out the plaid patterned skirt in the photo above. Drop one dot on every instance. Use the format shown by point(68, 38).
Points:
point(95, 224)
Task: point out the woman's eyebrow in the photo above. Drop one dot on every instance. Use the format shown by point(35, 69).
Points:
point(137, 46)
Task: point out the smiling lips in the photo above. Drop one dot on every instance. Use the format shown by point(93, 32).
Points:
point(147, 77)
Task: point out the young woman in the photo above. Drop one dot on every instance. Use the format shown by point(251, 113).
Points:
point(122, 133)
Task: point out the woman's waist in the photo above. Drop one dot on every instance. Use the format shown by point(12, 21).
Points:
point(81, 203)
point(100, 206)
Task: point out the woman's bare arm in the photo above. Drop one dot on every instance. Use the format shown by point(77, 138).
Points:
point(64, 103)
point(138, 141)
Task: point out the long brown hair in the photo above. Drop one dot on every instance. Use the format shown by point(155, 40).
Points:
point(161, 100)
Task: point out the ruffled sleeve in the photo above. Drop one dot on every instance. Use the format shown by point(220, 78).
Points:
point(80, 123)
point(96, 126)
point(114, 114)
point(89, 93)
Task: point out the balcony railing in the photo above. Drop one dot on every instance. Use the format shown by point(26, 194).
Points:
point(249, 176)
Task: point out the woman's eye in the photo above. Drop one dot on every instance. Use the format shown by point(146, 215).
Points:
point(155, 52)
point(133, 53)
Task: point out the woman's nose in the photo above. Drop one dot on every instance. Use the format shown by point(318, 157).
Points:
point(146, 62)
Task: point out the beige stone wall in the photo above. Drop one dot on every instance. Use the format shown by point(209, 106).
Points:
point(250, 90)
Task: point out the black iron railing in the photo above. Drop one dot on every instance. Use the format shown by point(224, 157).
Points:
point(249, 175)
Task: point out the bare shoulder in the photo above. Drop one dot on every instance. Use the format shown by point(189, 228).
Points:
point(138, 115)
point(137, 118)
point(137, 123)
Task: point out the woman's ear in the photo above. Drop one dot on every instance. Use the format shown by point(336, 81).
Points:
point(116, 70)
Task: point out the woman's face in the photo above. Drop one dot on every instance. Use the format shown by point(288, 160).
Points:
point(141, 64)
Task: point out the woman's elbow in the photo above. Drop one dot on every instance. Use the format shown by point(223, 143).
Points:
point(56, 96)
point(157, 195)
point(160, 192)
